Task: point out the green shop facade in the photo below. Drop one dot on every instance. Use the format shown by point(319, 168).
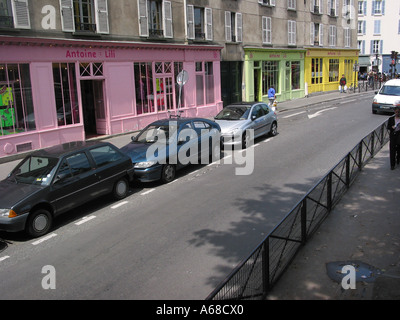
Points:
point(280, 68)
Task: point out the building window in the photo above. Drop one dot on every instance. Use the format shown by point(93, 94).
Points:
point(361, 46)
point(270, 76)
point(376, 46)
point(296, 71)
point(84, 15)
point(291, 4)
point(316, 34)
point(266, 30)
point(67, 108)
point(316, 71)
point(362, 7)
point(15, 14)
point(333, 8)
point(347, 37)
point(377, 7)
point(377, 27)
point(267, 2)
point(233, 26)
point(199, 23)
point(333, 70)
point(155, 18)
point(16, 104)
point(291, 33)
point(332, 36)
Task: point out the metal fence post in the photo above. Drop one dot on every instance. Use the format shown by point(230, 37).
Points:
point(348, 170)
point(360, 155)
point(265, 268)
point(329, 192)
point(372, 143)
point(303, 220)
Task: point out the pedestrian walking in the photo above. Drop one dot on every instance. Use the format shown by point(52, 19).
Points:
point(342, 83)
point(394, 138)
point(271, 96)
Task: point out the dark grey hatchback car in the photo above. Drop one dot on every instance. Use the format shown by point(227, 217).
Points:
point(57, 179)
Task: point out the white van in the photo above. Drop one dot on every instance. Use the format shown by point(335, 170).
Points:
point(387, 97)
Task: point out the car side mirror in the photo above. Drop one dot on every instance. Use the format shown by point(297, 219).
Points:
point(253, 117)
point(376, 92)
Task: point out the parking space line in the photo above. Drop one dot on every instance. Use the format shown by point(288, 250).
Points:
point(4, 258)
point(115, 206)
point(147, 192)
point(85, 219)
point(52, 235)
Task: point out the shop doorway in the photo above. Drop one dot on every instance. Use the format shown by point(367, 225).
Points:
point(93, 107)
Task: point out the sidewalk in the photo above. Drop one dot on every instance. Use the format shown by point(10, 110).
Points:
point(363, 228)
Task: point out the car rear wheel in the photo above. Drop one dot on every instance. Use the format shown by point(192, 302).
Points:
point(121, 188)
point(39, 223)
point(168, 173)
point(274, 129)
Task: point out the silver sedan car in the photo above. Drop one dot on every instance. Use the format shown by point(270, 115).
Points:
point(236, 119)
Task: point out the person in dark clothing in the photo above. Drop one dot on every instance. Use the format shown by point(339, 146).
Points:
point(394, 134)
point(342, 83)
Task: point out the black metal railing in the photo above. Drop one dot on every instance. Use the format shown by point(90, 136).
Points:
point(254, 277)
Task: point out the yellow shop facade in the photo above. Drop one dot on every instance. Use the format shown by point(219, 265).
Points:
point(323, 68)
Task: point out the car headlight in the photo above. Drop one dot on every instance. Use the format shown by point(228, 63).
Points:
point(375, 101)
point(233, 131)
point(145, 164)
point(8, 213)
point(397, 103)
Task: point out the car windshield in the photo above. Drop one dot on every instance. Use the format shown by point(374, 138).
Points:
point(390, 90)
point(35, 170)
point(233, 113)
point(153, 133)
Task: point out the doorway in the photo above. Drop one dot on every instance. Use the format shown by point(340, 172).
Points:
point(94, 115)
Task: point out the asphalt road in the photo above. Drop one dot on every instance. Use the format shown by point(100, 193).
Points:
point(178, 241)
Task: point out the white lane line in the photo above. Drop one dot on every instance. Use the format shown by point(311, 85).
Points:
point(4, 258)
point(85, 219)
point(294, 114)
point(115, 206)
point(147, 192)
point(52, 235)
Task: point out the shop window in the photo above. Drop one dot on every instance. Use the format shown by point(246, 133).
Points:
point(333, 70)
point(295, 75)
point(65, 93)
point(316, 71)
point(204, 83)
point(270, 76)
point(144, 87)
point(16, 104)
point(90, 69)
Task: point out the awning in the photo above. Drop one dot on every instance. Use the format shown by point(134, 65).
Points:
point(364, 61)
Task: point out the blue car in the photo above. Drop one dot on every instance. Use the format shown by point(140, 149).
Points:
point(165, 146)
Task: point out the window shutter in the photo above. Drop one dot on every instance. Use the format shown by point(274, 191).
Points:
point(381, 47)
point(167, 19)
point(190, 21)
point(364, 27)
point(273, 3)
point(209, 23)
point(321, 6)
point(228, 26)
point(239, 27)
point(337, 8)
point(365, 8)
point(373, 9)
point(371, 51)
point(102, 16)
point(321, 34)
point(21, 14)
point(67, 16)
point(383, 7)
point(143, 20)
point(312, 33)
point(363, 47)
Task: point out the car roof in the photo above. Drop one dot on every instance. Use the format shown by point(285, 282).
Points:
point(178, 120)
point(66, 148)
point(393, 82)
point(245, 104)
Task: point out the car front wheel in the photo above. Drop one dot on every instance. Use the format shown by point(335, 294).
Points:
point(39, 223)
point(168, 173)
point(274, 129)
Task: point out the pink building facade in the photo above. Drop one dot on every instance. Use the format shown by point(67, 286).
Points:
point(56, 91)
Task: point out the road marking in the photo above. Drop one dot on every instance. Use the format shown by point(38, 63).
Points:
point(318, 113)
point(119, 204)
point(294, 114)
point(147, 192)
point(52, 235)
point(85, 219)
point(4, 258)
